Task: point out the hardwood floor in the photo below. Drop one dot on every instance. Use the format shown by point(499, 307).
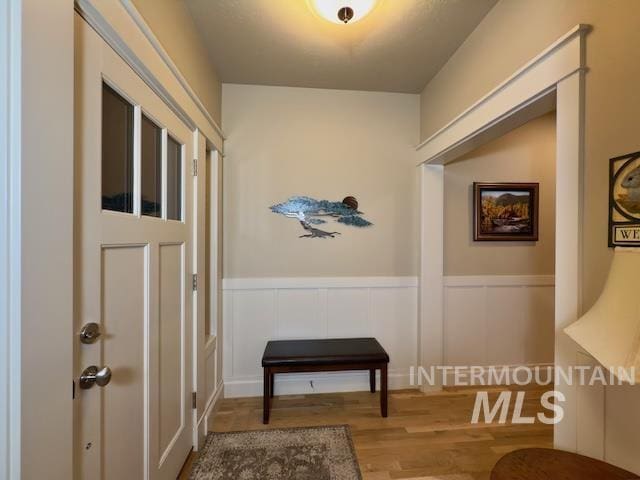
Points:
point(426, 436)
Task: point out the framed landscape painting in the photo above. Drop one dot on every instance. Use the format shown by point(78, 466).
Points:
point(505, 212)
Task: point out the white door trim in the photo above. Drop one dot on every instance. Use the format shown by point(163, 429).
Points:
point(557, 74)
point(148, 33)
point(531, 82)
point(10, 351)
point(207, 349)
point(205, 346)
point(123, 28)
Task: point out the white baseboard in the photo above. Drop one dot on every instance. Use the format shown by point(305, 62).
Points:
point(203, 424)
point(213, 404)
point(300, 383)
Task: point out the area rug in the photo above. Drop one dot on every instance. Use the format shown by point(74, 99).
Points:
point(314, 453)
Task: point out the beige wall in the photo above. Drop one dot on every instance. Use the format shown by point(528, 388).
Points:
point(173, 25)
point(523, 155)
point(510, 35)
point(325, 144)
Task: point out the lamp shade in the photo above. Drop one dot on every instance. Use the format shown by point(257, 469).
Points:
point(610, 330)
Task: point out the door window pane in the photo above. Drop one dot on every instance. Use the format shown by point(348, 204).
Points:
point(151, 165)
point(117, 152)
point(174, 180)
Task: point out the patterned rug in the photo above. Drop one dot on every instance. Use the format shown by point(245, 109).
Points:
point(314, 453)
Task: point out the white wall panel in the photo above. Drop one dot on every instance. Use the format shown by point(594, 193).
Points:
point(227, 333)
point(493, 320)
point(253, 323)
point(465, 326)
point(257, 311)
point(298, 314)
point(505, 312)
point(540, 335)
point(348, 313)
point(393, 318)
point(499, 320)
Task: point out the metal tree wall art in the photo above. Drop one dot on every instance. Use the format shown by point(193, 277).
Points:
point(309, 212)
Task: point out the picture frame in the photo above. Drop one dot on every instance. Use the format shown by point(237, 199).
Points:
point(505, 212)
point(624, 200)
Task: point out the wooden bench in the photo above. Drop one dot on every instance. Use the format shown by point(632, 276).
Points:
point(324, 355)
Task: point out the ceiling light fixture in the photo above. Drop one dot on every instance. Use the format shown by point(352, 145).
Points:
point(343, 11)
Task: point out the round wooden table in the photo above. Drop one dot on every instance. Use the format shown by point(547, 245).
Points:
point(549, 464)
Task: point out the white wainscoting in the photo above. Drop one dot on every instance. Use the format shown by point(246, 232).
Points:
point(499, 320)
point(260, 309)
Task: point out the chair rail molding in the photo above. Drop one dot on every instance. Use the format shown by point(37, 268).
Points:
point(120, 24)
point(554, 78)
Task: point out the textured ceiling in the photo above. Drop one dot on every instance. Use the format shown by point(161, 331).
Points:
point(399, 47)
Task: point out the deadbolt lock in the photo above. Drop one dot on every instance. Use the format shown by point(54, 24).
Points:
point(89, 333)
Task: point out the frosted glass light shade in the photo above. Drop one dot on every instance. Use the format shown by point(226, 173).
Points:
point(610, 330)
point(328, 9)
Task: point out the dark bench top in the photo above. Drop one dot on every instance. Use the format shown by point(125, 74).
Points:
point(329, 351)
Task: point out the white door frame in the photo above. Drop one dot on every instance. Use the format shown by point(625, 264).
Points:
point(206, 352)
point(557, 74)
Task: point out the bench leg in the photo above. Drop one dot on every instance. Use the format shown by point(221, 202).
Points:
point(383, 390)
point(266, 396)
point(271, 385)
point(372, 380)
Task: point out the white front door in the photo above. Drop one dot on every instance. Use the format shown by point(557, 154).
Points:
point(133, 272)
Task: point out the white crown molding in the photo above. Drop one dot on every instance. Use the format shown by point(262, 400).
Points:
point(560, 60)
point(317, 282)
point(146, 30)
point(124, 30)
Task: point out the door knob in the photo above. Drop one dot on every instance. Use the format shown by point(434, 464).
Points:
point(92, 375)
point(89, 333)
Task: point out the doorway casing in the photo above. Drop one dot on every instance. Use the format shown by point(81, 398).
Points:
point(554, 78)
